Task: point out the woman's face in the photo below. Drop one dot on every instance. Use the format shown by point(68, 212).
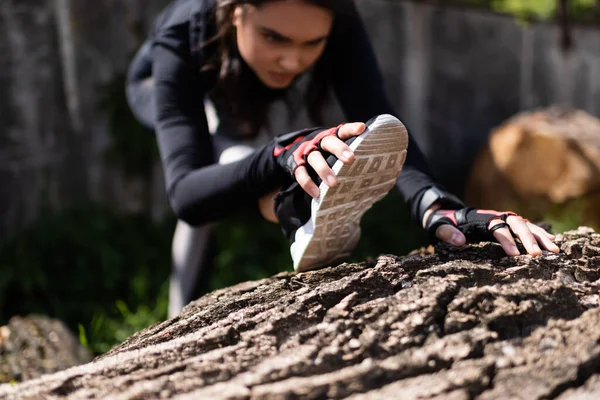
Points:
point(280, 40)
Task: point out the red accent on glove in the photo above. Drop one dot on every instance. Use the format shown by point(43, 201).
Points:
point(498, 214)
point(278, 150)
point(494, 212)
point(309, 146)
point(449, 214)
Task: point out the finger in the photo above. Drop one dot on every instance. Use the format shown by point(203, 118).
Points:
point(318, 163)
point(521, 230)
point(449, 234)
point(305, 182)
point(543, 238)
point(506, 240)
point(539, 229)
point(346, 131)
point(338, 148)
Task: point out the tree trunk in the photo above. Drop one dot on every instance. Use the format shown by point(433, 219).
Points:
point(566, 37)
point(539, 163)
point(457, 324)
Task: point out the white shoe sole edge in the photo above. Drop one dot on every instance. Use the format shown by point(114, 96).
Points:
point(333, 230)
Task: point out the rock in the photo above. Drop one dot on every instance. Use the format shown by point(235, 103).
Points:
point(464, 323)
point(35, 345)
point(539, 162)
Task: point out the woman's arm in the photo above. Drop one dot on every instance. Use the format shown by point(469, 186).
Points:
point(199, 190)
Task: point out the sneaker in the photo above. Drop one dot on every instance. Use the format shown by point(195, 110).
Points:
point(324, 231)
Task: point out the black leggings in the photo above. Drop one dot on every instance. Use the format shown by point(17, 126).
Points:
point(192, 247)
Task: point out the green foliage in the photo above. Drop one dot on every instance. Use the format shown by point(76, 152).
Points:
point(568, 216)
point(82, 336)
point(531, 9)
point(78, 266)
point(249, 248)
point(535, 10)
point(584, 10)
point(109, 330)
point(388, 229)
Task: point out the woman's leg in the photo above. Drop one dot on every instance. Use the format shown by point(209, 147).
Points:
point(190, 252)
point(191, 245)
point(266, 206)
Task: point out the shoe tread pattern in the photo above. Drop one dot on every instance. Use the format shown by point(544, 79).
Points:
point(379, 158)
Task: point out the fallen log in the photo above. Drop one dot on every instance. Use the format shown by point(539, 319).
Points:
point(539, 163)
point(465, 323)
point(35, 345)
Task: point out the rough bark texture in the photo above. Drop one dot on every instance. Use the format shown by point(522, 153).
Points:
point(33, 346)
point(457, 324)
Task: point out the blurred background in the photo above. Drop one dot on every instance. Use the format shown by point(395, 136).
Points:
point(502, 96)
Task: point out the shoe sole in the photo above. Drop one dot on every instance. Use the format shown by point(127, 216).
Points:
point(333, 230)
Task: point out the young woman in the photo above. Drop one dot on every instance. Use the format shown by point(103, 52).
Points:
point(239, 56)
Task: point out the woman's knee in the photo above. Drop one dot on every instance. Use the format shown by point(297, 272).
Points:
point(189, 244)
point(266, 206)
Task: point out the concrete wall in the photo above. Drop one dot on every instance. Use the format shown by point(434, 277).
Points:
point(453, 75)
point(55, 58)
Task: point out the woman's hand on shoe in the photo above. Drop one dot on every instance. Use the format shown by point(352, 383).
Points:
point(457, 226)
point(296, 151)
point(335, 145)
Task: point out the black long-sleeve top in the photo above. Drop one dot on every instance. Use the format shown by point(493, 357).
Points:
point(200, 190)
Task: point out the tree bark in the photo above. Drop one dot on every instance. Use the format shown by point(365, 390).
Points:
point(464, 323)
point(33, 346)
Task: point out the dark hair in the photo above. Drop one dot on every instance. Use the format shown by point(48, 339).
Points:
point(239, 92)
